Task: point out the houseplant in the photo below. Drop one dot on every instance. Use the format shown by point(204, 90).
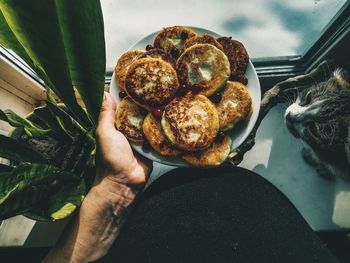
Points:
point(52, 151)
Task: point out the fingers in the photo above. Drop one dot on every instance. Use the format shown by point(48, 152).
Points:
point(106, 118)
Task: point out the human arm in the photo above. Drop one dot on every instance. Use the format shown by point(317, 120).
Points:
point(120, 178)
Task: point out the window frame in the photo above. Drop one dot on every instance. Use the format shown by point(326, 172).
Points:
point(333, 40)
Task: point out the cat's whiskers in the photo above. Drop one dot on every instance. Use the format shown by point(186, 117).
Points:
point(286, 100)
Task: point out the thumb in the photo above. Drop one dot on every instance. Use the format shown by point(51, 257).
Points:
point(106, 118)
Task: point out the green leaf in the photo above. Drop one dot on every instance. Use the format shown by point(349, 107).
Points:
point(75, 155)
point(29, 181)
point(36, 27)
point(85, 49)
point(17, 121)
point(45, 115)
point(65, 121)
point(25, 200)
point(15, 150)
point(9, 40)
point(66, 200)
point(26, 175)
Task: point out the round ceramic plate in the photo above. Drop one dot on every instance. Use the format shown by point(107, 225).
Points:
point(237, 135)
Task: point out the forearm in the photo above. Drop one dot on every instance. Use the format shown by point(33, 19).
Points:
point(91, 233)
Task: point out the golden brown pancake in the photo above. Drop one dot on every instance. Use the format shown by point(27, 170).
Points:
point(235, 105)
point(160, 53)
point(151, 82)
point(202, 39)
point(203, 64)
point(123, 65)
point(155, 136)
point(171, 37)
point(215, 155)
point(191, 122)
point(129, 120)
point(236, 53)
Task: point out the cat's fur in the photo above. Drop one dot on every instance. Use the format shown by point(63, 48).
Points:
point(321, 118)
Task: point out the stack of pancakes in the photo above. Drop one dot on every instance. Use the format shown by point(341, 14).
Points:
point(183, 94)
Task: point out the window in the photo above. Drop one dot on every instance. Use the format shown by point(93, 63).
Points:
point(282, 37)
point(268, 28)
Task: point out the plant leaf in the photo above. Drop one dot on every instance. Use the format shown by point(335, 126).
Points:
point(9, 40)
point(85, 49)
point(66, 200)
point(45, 115)
point(66, 122)
point(36, 27)
point(36, 181)
point(15, 150)
point(24, 200)
point(17, 121)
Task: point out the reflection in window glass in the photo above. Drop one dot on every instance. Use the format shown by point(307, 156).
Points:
point(268, 28)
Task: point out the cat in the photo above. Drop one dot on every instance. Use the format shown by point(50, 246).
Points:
point(320, 117)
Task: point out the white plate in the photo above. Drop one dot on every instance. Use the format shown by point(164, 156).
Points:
point(238, 136)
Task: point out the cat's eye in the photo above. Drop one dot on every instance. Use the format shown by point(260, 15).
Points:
point(307, 99)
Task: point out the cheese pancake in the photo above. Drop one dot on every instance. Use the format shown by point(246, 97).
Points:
point(205, 65)
point(235, 105)
point(151, 82)
point(215, 155)
point(202, 39)
point(173, 37)
point(155, 136)
point(160, 53)
point(236, 53)
point(129, 120)
point(190, 122)
point(123, 65)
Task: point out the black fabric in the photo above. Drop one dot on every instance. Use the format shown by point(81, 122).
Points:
point(224, 214)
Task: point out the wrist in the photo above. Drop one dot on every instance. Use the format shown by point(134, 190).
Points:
point(110, 194)
point(95, 227)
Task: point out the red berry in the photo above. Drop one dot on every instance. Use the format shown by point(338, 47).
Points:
point(215, 98)
point(157, 113)
point(174, 52)
point(196, 88)
point(184, 35)
point(149, 47)
point(182, 91)
point(122, 94)
point(220, 136)
point(243, 80)
point(240, 71)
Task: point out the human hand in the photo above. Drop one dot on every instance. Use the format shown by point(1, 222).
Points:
point(116, 160)
point(120, 177)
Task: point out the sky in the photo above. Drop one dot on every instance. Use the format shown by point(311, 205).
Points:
point(267, 28)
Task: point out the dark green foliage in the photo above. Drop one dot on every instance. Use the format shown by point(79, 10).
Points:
point(52, 151)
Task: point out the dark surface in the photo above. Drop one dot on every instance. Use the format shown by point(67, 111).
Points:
point(224, 214)
point(337, 241)
point(23, 255)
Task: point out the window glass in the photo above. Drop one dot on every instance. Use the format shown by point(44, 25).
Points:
point(268, 28)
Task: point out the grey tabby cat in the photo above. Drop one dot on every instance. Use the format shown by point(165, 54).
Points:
point(321, 118)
